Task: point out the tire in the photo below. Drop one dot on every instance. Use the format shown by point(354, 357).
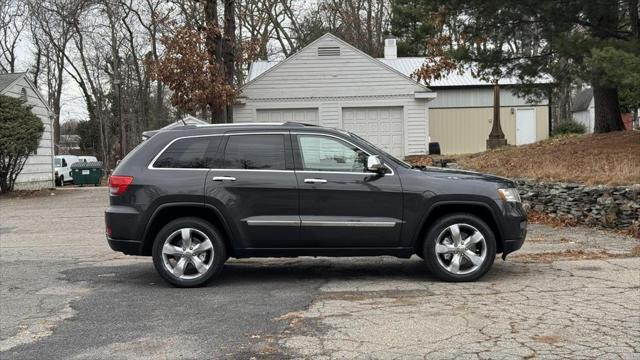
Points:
point(61, 180)
point(473, 255)
point(187, 268)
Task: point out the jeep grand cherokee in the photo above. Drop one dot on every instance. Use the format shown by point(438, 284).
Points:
point(194, 196)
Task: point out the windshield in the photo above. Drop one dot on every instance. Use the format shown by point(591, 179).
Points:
point(382, 152)
point(58, 162)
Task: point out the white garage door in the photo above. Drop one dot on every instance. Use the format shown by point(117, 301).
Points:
point(307, 116)
point(381, 126)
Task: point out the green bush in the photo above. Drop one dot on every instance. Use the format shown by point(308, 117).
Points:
point(20, 132)
point(569, 127)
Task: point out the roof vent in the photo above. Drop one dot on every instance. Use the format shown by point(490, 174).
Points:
point(328, 51)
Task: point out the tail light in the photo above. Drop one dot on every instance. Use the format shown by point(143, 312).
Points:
point(118, 184)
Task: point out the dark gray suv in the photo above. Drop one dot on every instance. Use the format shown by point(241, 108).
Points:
point(194, 196)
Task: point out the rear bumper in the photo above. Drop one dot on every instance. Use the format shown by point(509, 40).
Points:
point(128, 247)
point(122, 229)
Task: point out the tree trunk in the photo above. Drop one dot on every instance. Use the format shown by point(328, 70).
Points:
point(229, 43)
point(214, 48)
point(634, 18)
point(607, 112)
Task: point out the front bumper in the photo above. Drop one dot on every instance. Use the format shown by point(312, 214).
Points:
point(514, 228)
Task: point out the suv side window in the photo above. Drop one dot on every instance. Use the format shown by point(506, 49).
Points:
point(189, 153)
point(322, 153)
point(258, 152)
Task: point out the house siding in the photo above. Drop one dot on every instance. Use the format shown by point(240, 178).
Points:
point(331, 83)
point(465, 130)
point(38, 170)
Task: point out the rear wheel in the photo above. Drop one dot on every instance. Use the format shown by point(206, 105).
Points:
point(459, 247)
point(188, 252)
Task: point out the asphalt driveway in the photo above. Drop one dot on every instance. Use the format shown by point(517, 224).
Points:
point(572, 292)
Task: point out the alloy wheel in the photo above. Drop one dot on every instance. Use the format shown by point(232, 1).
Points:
point(461, 249)
point(187, 253)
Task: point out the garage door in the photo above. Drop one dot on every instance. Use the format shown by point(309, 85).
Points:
point(381, 126)
point(307, 116)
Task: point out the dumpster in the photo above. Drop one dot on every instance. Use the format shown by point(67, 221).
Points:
point(86, 172)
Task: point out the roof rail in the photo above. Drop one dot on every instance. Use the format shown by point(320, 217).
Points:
point(244, 124)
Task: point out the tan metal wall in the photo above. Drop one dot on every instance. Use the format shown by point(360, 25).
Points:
point(465, 130)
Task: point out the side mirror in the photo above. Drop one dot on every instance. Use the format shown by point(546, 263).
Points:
point(374, 164)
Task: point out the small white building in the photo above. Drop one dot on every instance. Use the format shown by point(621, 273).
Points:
point(583, 109)
point(38, 172)
point(333, 84)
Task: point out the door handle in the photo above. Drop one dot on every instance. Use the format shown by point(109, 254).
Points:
point(315, 181)
point(224, 178)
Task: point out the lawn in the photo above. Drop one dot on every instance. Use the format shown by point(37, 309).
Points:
point(610, 159)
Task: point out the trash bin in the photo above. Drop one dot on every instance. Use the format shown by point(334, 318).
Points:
point(86, 173)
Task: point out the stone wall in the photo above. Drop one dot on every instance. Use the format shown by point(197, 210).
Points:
point(606, 206)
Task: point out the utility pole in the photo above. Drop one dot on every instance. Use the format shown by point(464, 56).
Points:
point(496, 136)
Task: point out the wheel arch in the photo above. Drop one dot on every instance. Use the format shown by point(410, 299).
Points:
point(439, 209)
point(169, 212)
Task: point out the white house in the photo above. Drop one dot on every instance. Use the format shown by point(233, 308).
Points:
point(331, 83)
point(38, 172)
point(583, 109)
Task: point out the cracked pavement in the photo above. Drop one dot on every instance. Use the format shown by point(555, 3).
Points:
point(569, 293)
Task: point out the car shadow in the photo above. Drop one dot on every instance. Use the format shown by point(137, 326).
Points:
point(270, 271)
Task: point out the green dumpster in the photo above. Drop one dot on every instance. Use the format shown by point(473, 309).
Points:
point(86, 172)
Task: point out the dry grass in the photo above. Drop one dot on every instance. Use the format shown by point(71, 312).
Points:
point(609, 159)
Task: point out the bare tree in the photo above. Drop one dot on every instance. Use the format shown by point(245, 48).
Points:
point(12, 26)
point(52, 33)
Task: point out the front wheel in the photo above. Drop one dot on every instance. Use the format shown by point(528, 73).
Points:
point(188, 252)
point(459, 247)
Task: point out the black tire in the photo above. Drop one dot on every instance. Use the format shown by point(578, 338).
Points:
point(219, 253)
point(467, 223)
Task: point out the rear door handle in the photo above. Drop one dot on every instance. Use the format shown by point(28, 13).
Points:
point(224, 178)
point(315, 181)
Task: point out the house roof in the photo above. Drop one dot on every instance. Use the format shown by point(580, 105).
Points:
point(187, 120)
point(70, 138)
point(407, 66)
point(267, 66)
point(582, 100)
point(7, 79)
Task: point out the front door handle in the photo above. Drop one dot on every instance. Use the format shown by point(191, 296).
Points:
point(315, 181)
point(224, 178)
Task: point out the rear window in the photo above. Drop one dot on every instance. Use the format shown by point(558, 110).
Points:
point(189, 153)
point(259, 152)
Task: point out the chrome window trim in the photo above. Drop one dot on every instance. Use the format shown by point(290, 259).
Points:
point(339, 172)
point(151, 167)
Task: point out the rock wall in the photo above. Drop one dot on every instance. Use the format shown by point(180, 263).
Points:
point(606, 206)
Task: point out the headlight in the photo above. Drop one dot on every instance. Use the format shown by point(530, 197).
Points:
point(510, 195)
